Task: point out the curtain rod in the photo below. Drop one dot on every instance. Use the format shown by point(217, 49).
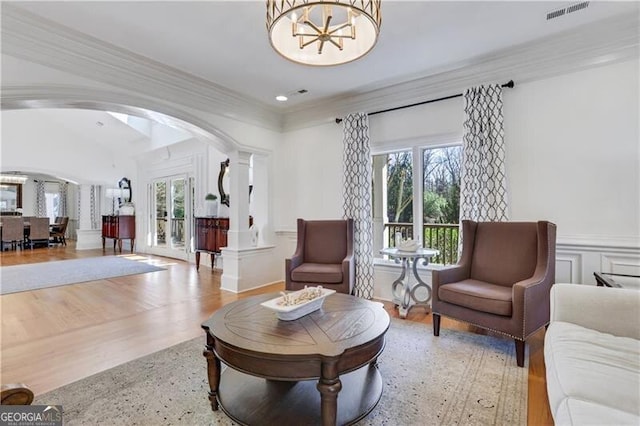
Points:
point(48, 181)
point(508, 84)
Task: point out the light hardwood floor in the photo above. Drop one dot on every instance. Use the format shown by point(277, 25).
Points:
point(55, 336)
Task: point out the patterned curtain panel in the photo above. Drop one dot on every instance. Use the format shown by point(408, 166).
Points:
point(483, 183)
point(41, 200)
point(357, 198)
point(62, 207)
point(93, 202)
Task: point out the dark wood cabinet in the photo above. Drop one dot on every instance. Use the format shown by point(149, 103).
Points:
point(211, 236)
point(119, 228)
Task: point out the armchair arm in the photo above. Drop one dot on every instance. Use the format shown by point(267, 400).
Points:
point(297, 258)
point(450, 274)
point(531, 302)
point(462, 270)
point(294, 261)
point(349, 272)
point(608, 310)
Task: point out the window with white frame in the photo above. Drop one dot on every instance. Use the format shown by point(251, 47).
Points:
point(434, 220)
point(52, 200)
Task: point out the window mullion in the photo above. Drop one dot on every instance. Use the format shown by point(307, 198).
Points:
point(418, 162)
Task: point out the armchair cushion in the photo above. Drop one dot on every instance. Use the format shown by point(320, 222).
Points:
point(325, 241)
point(318, 273)
point(504, 252)
point(478, 295)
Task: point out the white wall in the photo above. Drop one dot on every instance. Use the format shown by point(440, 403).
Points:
point(572, 158)
point(573, 152)
point(51, 149)
point(308, 175)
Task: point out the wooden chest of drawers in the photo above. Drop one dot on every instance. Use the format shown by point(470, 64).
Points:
point(119, 228)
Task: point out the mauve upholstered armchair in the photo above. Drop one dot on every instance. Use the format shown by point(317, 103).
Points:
point(324, 256)
point(502, 280)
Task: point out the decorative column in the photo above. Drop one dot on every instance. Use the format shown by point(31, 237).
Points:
point(380, 235)
point(89, 233)
point(238, 236)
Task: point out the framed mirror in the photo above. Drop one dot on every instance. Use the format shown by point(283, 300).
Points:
point(223, 182)
point(10, 197)
point(125, 186)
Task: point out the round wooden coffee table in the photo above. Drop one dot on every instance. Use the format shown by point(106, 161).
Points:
point(318, 369)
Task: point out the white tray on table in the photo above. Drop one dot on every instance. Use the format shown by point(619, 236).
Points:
point(293, 312)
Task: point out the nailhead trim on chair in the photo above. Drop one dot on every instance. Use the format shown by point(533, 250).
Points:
point(491, 329)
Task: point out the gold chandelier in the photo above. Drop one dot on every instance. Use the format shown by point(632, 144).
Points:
point(323, 32)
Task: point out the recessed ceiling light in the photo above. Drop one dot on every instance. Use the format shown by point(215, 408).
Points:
point(281, 98)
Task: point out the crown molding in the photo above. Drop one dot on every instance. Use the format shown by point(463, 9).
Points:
point(605, 42)
point(32, 38)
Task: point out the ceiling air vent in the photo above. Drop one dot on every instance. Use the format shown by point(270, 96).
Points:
point(566, 10)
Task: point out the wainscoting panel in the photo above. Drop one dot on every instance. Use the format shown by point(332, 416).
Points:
point(568, 267)
point(620, 263)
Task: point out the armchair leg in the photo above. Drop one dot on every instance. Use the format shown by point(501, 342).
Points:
point(520, 345)
point(436, 324)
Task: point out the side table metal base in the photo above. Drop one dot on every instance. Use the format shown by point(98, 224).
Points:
point(410, 291)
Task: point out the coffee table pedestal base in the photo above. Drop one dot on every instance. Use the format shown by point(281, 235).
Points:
point(251, 400)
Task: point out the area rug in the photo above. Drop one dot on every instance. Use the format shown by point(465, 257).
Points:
point(458, 378)
point(35, 276)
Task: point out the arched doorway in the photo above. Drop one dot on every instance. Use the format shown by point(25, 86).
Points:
point(83, 99)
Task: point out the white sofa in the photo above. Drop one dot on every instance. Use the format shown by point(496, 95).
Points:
point(592, 355)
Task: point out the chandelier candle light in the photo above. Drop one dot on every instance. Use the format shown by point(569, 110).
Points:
point(323, 32)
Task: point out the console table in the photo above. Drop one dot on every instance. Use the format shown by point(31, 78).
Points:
point(119, 228)
point(211, 236)
point(405, 293)
point(318, 369)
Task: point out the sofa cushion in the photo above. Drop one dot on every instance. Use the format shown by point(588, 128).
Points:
point(478, 295)
point(318, 273)
point(591, 366)
point(576, 412)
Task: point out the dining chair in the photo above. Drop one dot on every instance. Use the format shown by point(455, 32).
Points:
point(59, 230)
point(39, 231)
point(12, 231)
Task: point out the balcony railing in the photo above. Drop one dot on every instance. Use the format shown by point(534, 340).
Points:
point(438, 236)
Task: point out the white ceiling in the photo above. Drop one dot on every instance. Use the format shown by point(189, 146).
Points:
point(226, 42)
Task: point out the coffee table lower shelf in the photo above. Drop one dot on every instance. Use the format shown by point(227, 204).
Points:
point(251, 400)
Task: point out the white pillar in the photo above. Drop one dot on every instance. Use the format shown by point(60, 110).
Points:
point(260, 207)
point(239, 236)
point(379, 203)
point(89, 234)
